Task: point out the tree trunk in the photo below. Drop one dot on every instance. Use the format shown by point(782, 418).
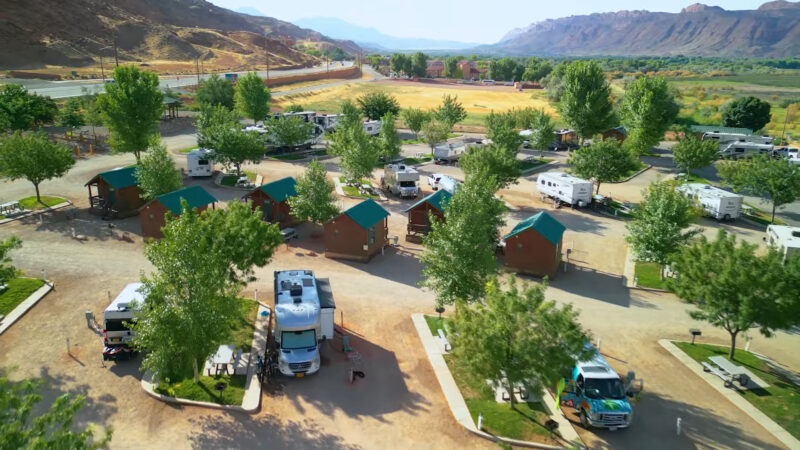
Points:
point(773, 213)
point(38, 198)
point(661, 272)
point(512, 398)
point(194, 367)
point(238, 171)
point(138, 156)
point(598, 188)
point(733, 345)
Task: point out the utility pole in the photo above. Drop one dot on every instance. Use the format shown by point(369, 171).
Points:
point(116, 56)
point(197, 69)
point(102, 70)
point(266, 52)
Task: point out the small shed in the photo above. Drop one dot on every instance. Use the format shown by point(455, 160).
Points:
point(115, 193)
point(618, 133)
point(171, 108)
point(533, 247)
point(358, 233)
point(565, 136)
point(273, 199)
point(152, 214)
point(419, 214)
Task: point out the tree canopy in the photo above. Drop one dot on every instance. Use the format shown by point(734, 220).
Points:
point(414, 119)
point(236, 147)
point(375, 105)
point(603, 161)
point(212, 120)
point(771, 179)
point(647, 110)
point(493, 163)
point(504, 135)
point(586, 99)
point(289, 131)
point(419, 64)
point(746, 112)
point(401, 64)
point(70, 115)
point(21, 110)
point(435, 132)
point(692, 153)
point(543, 129)
point(388, 140)
point(251, 97)
point(315, 200)
point(7, 270)
point(156, 173)
point(450, 112)
point(214, 91)
point(357, 151)
point(34, 158)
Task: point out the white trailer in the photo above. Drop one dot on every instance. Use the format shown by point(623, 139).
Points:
point(565, 188)
point(724, 138)
point(400, 180)
point(717, 203)
point(449, 152)
point(372, 127)
point(116, 319)
point(743, 149)
point(785, 239)
point(327, 122)
point(199, 162)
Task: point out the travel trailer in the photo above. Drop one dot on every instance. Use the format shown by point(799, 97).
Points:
point(400, 180)
point(199, 163)
point(565, 188)
point(724, 138)
point(785, 239)
point(717, 203)
point(740, 149)
point(449, 152)
point(116, 319)
point(372, 127)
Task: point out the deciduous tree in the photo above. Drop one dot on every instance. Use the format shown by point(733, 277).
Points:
point(22, 110)
point(70, 115)
point(211, 119)
point(435, 132)
point(315, 200)
point(647, 110)
point(34, 158)
point(375, 105)
point(156, 173)
point(215, 91)
point(289, 131)
point(506, 137)
point(251, 97)
point(542, 128)
point(585, 100)
point(494, 163)
point(7, 270)
point(746, 112)
point(388, 140)
point(236, 147)
point(419, 64)
point(293, 108)
point(357, 151)
point(771, 179)
point(692, 153)
point(451, 111)
point(603, 161)
point(415, 119)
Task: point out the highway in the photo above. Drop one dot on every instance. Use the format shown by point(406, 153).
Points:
point(75, 88)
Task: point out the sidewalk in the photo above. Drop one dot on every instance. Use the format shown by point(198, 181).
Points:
point(747, 407)
point(434, 349)
point(38, 211)
point(23, 307)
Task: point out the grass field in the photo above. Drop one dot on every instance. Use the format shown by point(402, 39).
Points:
point(187, 150)
point(648, 274)
point(353, 191)
point(780, 401)
point(18, 290)
point(230, 180)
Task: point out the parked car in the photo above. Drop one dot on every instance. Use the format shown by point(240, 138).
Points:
point(556, 146)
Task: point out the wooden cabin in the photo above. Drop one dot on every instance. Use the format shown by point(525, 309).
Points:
point(619, 133)
point(420, 212)
point(357, 234)
point(115, 193)
point(273, 199)
point(151, 216)
point(533, 247)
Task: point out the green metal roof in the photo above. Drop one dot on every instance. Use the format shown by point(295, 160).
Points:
point(544, 224)
point(367, 213)
point(437, 200)
point(621, 129)
point(195, 196)
point(170, 100)
point(119, 178)
point(281, 189)
point(711, 128)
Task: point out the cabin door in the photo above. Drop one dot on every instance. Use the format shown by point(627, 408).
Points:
point(267, 209)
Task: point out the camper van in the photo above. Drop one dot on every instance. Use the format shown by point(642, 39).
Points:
point(785, 239)
point(116, 317)
point(372, 127)
point(440, 181)
point(724, 138)
point(304, 314)
point(740, 149)
point(717, 203)
point(199, 163)
point(565, 188)
point(400, 180)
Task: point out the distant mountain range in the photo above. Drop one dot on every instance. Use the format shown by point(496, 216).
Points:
point(372, 38)
point(773, 30)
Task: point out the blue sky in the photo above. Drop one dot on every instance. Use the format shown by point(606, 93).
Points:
point(462, 20)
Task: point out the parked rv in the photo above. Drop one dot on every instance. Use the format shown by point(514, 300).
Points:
point(449, 152)
point(199, 162)
point(372, 127)
point(717, 203)
point(400, 180)
point(304, 313)
point(785, 239)
point(565, 188)
point(743, 150)
point(116, 321)
point(724, 138)
point(439, 181)
point(327, 122)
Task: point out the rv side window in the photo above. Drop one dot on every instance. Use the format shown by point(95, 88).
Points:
point(202, 162)
point(739, 150)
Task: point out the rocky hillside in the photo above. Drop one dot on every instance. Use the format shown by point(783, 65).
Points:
point(773, 30)
point(74, 33)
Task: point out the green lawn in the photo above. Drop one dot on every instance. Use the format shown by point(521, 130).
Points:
point(422, 141)
point(297, 156)
point(204, 391)
point(242, 330)
point(424, 159)
point(762, 218)
point(31, 204)
point(230, 180)
point(780, 401)
point(639, 166)
point(353, 191)
point(530, 164)
point(435, 323)
point(648, 274)
point(18, 290)
point(187, 150)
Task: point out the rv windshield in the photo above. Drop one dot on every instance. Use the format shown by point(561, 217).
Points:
point(604, 388)
point(291, 340)
point(117, 325)
point(407, 184)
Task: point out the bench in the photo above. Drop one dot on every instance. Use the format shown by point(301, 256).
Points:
point(236, 360)
point(708, 367)
point(447, 347)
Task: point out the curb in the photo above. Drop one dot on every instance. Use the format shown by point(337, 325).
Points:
point(25, 305)
point(38, 211)
point(748, 408)
point(648, 167)
point(452, 394)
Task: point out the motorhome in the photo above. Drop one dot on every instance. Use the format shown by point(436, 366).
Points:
point(304, 313)
point(199, 163)
point(117, 318)
point(565, 188)
point(717, 203)
point(597, 393)
point(724, 138)
point(743, 150)
point(400, 180)
point(372, 127)
point(785, 239)
point(439, 181)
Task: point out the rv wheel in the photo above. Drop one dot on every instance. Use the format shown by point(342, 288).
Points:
point(727, 217)
point(584, 419)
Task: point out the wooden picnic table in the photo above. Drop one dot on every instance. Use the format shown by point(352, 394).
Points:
point(222, 358)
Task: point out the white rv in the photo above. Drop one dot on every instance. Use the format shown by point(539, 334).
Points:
point(446, 183)
point(449, 152)
point(717, 203)
point(372, 127)
point(724, 138)
point(304, 314)
point(785, 239)
point(401, 180)
point(743, 150)
point(121, 311)
point(565, 188)
point(199, 162)
point(327, 122)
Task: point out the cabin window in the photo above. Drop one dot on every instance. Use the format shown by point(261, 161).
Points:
point(371, 235)
point(519, 247)
point(151, 217)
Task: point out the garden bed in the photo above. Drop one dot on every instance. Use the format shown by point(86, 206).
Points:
point(18, 290)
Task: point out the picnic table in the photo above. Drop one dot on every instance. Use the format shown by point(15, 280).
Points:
point(222, 358)
point(9, 207)
point(727, 371)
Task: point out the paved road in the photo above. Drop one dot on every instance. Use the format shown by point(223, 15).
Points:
point(74, 88)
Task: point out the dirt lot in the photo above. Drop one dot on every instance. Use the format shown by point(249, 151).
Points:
point(399, 403)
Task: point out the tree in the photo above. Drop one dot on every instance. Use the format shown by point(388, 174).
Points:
point(585, 101)
point(156, 173)
point(657, 229)
point(647, 109)
point(375, 105)
point(236, 147)
point(451, 66)
point(201, 264)
point(419, 64)
point(357, 151)
point(51, 428)
point(734, 288)
point(450, 112)
point(603, 161)
point(459, 251)
point(34, 158)
point(70, 115)
point(692, 153)
point(771, 179)
point(543, 129)
point(746, 112)
point(506, 69)
point(289, 131)
point(251, 97)
point(506, 137)
point(93, 114)
point(435, 132)
point(215, 91)
point(8, 271)
point(213, 120)
point(388, 141)
point(400, 64)
point(315, 200)
point(293, 108)
point(415, 119)
point(494, 162)
point(516, 337)
point(22, 110)
point(131, 107)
